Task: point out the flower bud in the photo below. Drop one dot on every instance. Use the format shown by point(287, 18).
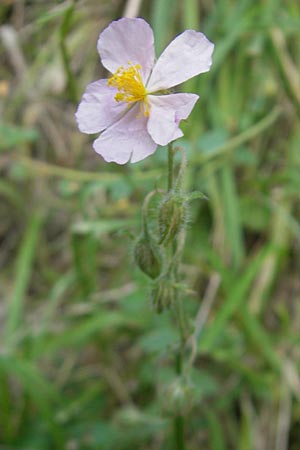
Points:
point(171, 218)
point(163, 294)
point(178, 397)
point(147, 256)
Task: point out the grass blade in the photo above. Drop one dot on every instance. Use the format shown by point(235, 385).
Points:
point(24, 266)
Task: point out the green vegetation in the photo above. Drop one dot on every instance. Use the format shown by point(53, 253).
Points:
point(85, 363)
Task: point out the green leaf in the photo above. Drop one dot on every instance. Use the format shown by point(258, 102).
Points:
point(11, 136)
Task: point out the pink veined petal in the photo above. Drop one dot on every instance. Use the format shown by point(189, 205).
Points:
point(186, 56)
point(127, 40)
point(98, 108)
point(166, 112)
point(126, 139)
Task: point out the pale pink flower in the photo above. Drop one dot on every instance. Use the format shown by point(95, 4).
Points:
point(133, 110)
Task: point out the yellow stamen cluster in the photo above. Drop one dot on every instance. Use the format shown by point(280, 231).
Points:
point(130, 86)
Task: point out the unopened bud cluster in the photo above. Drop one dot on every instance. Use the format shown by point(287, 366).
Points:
point(151, 248)
point(157, 248)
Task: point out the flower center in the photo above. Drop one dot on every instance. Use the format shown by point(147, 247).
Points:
point(130, 86)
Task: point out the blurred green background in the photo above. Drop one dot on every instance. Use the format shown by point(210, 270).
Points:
point(84, 361)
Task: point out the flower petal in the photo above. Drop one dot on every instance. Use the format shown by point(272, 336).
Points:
point(127, 40)
point(186, 56)
point(126, 139)
point(166, 112)
point(98, 108)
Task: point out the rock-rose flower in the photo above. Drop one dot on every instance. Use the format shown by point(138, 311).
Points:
point(133, 110)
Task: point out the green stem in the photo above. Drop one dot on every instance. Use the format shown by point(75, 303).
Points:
point(179, 432)
point(178, 419)
point(170, 167)
point(181, 168)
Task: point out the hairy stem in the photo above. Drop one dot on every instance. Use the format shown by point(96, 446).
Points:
point(179, 432)
point(179, 418)
point(170, 167)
